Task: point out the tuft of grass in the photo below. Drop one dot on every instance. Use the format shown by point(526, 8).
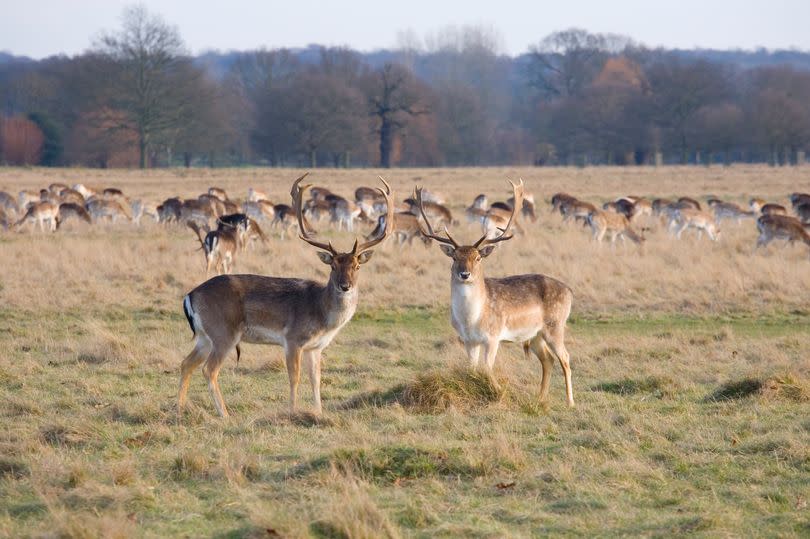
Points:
point(12, 468)
point(64, 436)
point(787, 387)
point(460, 388)
point(353, 515)
point(189, 465)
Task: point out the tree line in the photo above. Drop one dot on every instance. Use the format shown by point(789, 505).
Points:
point(137, 98)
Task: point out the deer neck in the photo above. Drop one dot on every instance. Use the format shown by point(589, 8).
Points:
point(468, 301)
point(338, 306)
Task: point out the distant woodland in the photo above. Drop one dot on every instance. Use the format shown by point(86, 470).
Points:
point(136, 98)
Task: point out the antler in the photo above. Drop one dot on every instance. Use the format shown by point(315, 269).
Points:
point(389, 218)
point(518, 203)
point(430, 234)
point(297, 193)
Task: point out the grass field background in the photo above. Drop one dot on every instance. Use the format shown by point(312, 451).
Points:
point(690, 365)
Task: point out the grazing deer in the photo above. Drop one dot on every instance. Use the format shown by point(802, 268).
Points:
point(140, 208)
point(405, 228)
point(219, 193)
point(301, 316)
point(578, 209)
point(529, 210)
point(41, 212)
point(85, 191)
point(248, 228)
point(530, 309)
point(729, 210)
point(283, 218)
point(57, 187)
point(26, 197)
point(617, 225)
point(170, 210)
point(783, 227)
point(689, 202)
point(70, 210)
point(219, 246)
point(436, 211)
point(71, 196)
point(111, 209)
point(260, 210)
point(699, 220)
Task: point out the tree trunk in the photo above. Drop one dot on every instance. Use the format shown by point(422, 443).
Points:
point(313, 159)
point(142, 148)
point(386, 143)
point(347, 159)
point(800, 158)
point(187, 159)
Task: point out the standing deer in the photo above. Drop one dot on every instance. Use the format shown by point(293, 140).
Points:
point(530, 309)
point(301, 316)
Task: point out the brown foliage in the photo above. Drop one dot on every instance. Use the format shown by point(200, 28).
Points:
point(21, 141)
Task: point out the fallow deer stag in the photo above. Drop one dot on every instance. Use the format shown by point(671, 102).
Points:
point(301, 316)
point(529, 309)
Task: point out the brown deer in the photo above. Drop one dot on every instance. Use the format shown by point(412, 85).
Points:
point(301, 316)
point(772, 227)
point(616, 225)
point(530, 309)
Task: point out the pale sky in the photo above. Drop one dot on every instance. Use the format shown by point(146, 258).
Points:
point(39, 28)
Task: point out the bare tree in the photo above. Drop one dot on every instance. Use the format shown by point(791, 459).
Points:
point(393, 96)
point(147, 84)
point(564, 63)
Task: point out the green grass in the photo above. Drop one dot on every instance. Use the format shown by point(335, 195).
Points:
point(682, 426)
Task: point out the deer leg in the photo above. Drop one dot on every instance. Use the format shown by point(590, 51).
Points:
point(293, 359)
point(540, 349)
point(490, 351)
point(473, 352)
point(211, 371)
point(201, 351)
point(313, 362)
point(556, 344)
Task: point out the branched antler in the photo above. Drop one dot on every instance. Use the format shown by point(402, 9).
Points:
point(505, 235)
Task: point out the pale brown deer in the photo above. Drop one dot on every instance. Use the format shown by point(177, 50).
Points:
point(772, 227)
point(300, 315)
point(529, 309)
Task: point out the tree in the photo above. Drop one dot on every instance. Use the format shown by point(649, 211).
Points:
point(20, 141)
point(146, 82)
point(564, 63)
point(394, 95)
point(678, 90)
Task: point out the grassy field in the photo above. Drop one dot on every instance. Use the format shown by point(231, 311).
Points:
point(690, 370)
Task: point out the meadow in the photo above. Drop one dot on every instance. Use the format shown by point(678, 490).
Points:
point(690, 362)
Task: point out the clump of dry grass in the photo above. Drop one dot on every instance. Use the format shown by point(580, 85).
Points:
point(190, 464)
point(458, 387)
point(353, 514)
point(788, 386)
point(657, 386)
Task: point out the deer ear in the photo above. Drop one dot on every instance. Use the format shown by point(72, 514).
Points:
point(486, 251)
point(364, 257)
point(325, 257)
point(449, 250)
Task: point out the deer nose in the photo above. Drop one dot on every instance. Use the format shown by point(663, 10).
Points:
point(464, 275)
point(345, 287)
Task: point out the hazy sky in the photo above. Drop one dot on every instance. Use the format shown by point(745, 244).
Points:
point(39, 28)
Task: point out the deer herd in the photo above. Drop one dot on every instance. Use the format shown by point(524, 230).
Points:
point(303, 316)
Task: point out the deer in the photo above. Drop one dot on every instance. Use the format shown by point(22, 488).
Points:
point(405, 228)
point(41, 212)
point(299, 315)
point(99, 208)
point(530, 309)
point(220, 246)
point(764, 207)
point(255, 195)
point(773, 227)
point(604, 222)
point(261, 210)
point(70, 210)
point(140, 209)
point(700, 220)
point(729, 210)
point(219, 193)
point(9, 205)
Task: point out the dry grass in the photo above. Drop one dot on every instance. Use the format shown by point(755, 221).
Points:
point(689, 359)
